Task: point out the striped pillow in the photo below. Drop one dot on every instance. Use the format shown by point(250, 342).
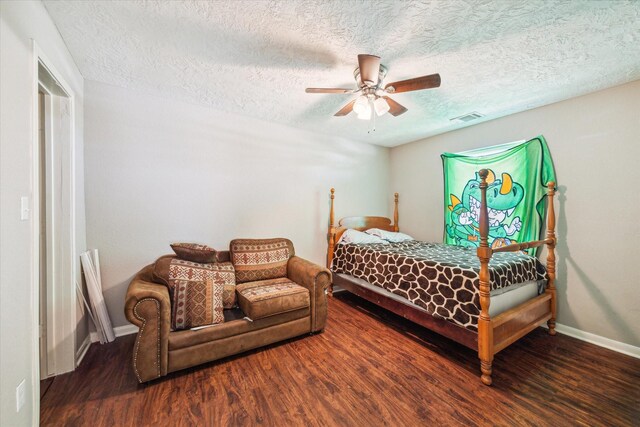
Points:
point(194, 252)
point(180, 269)
point(197, 303)
point(260, 259)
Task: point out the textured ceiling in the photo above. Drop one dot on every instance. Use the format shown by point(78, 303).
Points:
point(255, 58)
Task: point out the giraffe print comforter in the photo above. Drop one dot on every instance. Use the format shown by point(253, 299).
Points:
point(442, 279)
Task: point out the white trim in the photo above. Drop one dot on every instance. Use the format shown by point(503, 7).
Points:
point(120, 331)
point(598, 340)
point(66, 327)
point(82, 351)
point(35, 243)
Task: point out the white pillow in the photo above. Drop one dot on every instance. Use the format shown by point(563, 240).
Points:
point(389, 236)
point(359, 238)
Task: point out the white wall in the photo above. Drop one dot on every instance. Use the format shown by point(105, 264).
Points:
point(19, 23)
point(595, 144)
point(159, 171)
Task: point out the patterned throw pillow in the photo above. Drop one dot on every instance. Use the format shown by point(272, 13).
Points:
point(222, 272)
point(260, 259)
point(356, 237)
point(194, 252)
point(197, 303)
point(389, 236)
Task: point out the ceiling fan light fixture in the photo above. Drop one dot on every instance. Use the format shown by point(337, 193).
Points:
point(366, 114)
point(381, 106)
point(369, 76)
point(361, 105)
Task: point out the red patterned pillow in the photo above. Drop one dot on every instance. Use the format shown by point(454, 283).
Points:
point(222, 272)
point(197, 303)
point(194, 252)
point(260, 259)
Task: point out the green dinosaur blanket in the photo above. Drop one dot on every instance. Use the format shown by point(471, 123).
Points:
point(518, 175)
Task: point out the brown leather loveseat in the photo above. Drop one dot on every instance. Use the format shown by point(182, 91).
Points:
point(159, 350)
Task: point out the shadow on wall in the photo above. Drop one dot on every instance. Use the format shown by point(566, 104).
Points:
point(114, 297)
point(564, 259)
point(562, 253)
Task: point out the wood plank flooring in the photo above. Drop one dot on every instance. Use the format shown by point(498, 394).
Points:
point(369, 368)
point(44, 385)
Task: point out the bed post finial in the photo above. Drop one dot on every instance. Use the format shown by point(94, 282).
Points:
point(551, 255)
point(395, 213)
point(485, 329)
point(332, 238)
point(333, 190)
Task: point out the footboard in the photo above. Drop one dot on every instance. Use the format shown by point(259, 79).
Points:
point(513, 324)
point(497, 333)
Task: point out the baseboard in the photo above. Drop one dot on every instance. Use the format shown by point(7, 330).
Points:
point(119, 331)
point(600, 341)
point(84, 347)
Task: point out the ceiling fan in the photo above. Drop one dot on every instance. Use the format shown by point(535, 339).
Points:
point(369, 80)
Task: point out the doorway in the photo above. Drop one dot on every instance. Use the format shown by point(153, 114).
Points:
point(45, 371)
point(54, 226)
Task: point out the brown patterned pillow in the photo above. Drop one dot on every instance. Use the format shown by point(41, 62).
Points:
point(194, 252)
point(260, 259)
point(222, 272)
point(197, 303)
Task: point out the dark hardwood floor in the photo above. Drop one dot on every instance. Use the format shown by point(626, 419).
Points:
point(368, 368)
point(44, 385)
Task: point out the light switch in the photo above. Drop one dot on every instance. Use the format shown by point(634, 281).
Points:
point(24, 208)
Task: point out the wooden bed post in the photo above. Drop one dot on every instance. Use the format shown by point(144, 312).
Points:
point(332, 238)
point(551, 255)
point(396, 228)
point(485, 329)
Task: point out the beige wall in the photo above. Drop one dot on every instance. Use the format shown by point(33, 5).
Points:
point(595, 144)
point(20, 22)
point(159, 171)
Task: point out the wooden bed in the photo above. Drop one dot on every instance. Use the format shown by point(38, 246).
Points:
point(494, 334)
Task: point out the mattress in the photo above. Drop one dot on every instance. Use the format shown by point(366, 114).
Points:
point(501, 300)
point(441, 279)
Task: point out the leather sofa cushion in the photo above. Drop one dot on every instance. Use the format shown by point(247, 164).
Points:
point(235, 325)
point(270, 297)
point(213, 350)
point(197, 303)
point(260, 259)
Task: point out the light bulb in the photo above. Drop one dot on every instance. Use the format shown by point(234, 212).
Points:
point(365, 114)
point(381, 106)
point(361, 105)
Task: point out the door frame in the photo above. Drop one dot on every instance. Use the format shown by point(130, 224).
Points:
point(64, 294)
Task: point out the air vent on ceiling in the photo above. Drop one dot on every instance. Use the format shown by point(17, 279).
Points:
point(467, 117)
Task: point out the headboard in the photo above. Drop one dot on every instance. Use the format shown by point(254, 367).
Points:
point(359, 223)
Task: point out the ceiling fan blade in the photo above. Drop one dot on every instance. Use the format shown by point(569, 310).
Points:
point(346, 109)
point(418, 83)
point(327, 90)
point(369, 69)
point(395, 109)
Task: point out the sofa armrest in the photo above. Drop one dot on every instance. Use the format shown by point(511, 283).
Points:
point(148, 306)
point(316, 279)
